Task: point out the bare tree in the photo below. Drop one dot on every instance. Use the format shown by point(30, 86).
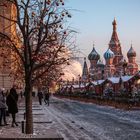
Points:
point(41, 43)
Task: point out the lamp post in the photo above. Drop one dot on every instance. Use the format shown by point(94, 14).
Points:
point(79, 80)
point(2, 76)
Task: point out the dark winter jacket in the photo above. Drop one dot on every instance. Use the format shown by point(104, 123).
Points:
point(2, 100)
point(47, 96)
point(40, 95)
point(12, 99)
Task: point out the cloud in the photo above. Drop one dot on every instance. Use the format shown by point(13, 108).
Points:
point(72, 71)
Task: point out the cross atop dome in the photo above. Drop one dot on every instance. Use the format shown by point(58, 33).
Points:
point(93, 45)
point(84, 58)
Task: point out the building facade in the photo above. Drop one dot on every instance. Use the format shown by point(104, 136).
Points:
point(115, 64)
point(7, 27)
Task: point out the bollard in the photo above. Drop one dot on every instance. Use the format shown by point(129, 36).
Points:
point(24, 115)
point(22, 126)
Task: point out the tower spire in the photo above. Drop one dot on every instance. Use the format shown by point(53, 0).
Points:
point(115, 45)
point(93, 44)
point(114, 24)
point(114, 34)
point(85, 70)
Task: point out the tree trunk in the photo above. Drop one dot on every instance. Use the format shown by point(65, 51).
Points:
point(28, 102)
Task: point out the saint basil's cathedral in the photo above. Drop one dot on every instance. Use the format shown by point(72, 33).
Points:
point(115, 64)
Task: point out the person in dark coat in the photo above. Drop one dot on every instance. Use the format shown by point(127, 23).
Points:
point(12, 99)
point(2, 108)
point(47, 98)
point(40, 97)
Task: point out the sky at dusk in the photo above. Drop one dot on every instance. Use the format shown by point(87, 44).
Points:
point(92, 19)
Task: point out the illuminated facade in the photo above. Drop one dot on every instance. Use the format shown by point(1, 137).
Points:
point(8, 28)
point(115, 64)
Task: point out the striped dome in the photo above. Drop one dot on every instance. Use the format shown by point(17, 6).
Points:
point(108, 54)
point(131, 52)
point(93, 55)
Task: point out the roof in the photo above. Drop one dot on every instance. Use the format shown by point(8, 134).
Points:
point(126, 78)
point(77, 86)
point(97, 82)
point(114, 80)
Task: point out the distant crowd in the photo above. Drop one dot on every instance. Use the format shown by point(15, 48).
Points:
point(42, 95)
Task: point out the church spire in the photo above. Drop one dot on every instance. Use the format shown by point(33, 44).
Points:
point(114, 37)
point(114, 44)
point(114, 24)
point(85, 70)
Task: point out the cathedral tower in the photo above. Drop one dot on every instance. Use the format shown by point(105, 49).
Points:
point(109, 67)
point(115, 45)
point(132, 65)
point(115, 64)
point(93, 58)
point(85, 74)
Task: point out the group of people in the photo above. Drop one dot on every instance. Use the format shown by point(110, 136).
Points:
point(45, 95)
point(8, 103)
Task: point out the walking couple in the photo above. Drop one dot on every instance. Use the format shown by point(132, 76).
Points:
point(11, 102)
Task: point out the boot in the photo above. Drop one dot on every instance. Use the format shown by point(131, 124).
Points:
point(12, 124)
point(0, 123)
point(5, 123)
point(16, 123)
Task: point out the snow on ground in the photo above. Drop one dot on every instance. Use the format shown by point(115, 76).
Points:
point(75, 120)
point(99, 122)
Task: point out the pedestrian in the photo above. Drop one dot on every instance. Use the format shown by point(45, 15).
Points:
point(47, 98)
point(12, 99)
point(2, 108)
point(40, 97)
point(33, 93)
point(21, 94)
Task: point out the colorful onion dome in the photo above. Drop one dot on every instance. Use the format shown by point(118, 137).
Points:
point(131, 52)
point(108, 54)
point(93, 55)
point(100, 64)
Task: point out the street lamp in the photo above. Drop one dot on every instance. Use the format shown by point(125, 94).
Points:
point(79, 80)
